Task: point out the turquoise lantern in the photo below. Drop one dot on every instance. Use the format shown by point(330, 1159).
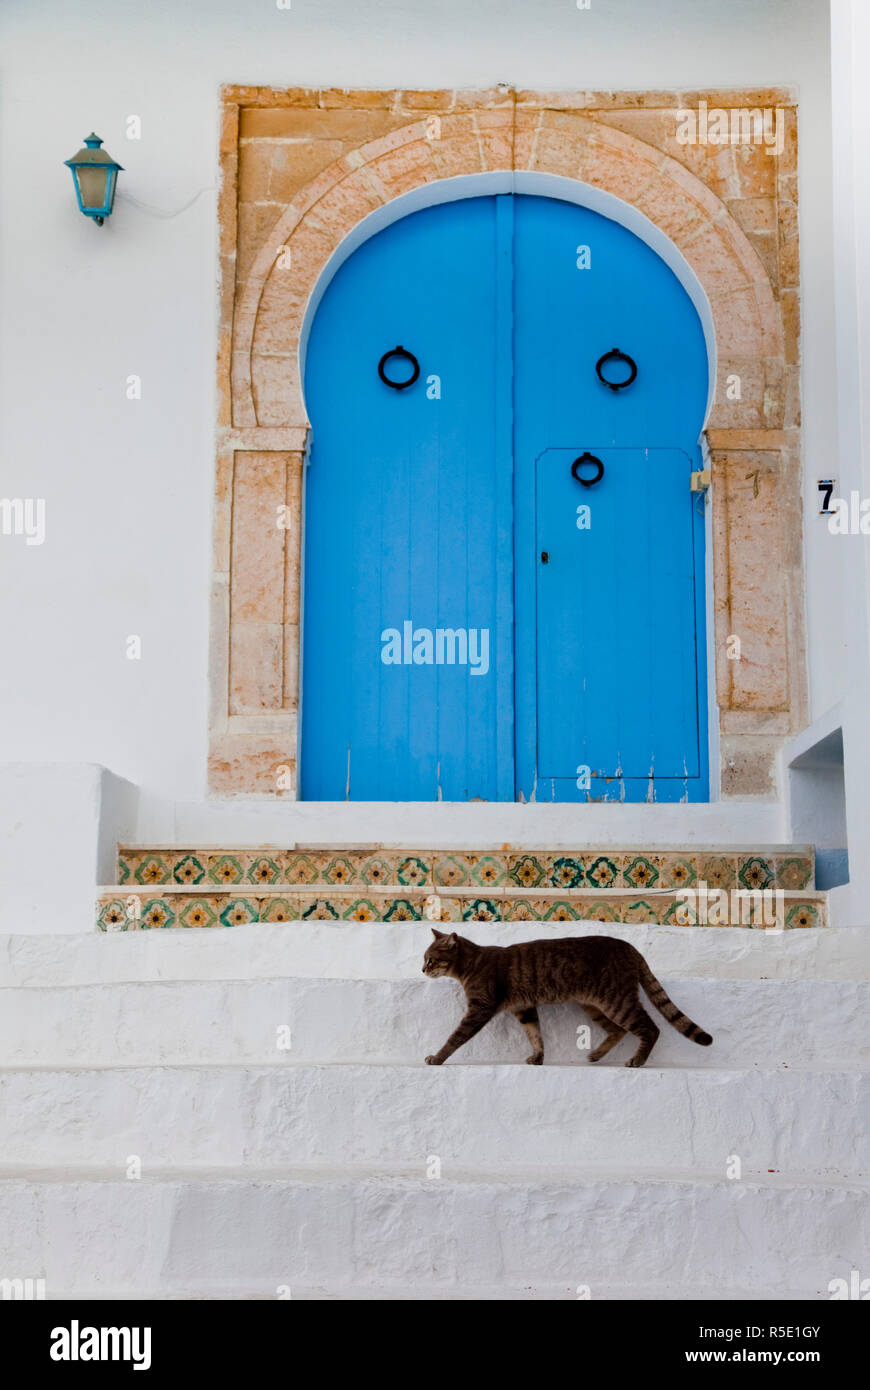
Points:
point(95, 174)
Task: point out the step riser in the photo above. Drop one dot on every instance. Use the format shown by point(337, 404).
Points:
point(336, 869)
point(248, 1237)
point(617, 1121)
point(386, 951)
point(208, 910)
point(754, 1023)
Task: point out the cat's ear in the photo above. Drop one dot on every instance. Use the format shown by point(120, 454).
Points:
point(438, 935)
point(452, 939)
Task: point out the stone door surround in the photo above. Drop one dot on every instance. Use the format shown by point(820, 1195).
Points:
point(301, 169)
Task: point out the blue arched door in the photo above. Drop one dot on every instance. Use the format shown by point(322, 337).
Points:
point(478, 623)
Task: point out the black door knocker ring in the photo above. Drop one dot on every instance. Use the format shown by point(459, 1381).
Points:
point(580, 463)
point(408, 357)
point(614, 355)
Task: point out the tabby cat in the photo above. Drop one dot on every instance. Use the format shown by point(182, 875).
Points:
point(600, 973)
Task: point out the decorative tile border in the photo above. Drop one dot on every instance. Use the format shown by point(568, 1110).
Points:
point(121, 909)
point(485, 871)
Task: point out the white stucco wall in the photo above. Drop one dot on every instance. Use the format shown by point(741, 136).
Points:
point(850, 48)
point(128, 485)
point(59, 824)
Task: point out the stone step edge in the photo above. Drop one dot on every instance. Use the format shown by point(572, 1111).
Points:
point(391, 847)
point(346, 1174)
point(535, 1292)
point(673, 977)
point(404, 890)
point(267, 1068)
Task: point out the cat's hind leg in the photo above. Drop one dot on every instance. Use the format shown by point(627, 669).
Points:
point(532, 1028)
point(614, 1033)
point(632, 1017)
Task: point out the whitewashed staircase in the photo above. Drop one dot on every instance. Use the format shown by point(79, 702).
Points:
point(245, 1113)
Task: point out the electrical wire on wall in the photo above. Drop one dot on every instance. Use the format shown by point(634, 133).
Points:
point(152, 211)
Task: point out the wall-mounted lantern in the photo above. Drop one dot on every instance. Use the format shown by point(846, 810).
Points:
point(95, 174)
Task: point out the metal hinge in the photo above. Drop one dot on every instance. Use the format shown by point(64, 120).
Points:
point(700, 481)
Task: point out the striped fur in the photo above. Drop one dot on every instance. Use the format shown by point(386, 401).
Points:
point(601, 973)
point(658, 996)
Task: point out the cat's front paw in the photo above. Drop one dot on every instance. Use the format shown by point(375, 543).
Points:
point(434, 1061)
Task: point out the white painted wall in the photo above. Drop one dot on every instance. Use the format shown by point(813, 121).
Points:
point(128, 486)
point(58, 824)
point(850, 50)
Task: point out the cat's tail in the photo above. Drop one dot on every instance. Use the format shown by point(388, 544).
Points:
point(668, 1009)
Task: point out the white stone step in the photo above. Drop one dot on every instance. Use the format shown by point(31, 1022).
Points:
point(383, 950)
point(616, 1120)
point(393, 1233)
point(754, 1023)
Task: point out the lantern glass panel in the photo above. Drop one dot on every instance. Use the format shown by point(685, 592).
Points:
point(92, 181)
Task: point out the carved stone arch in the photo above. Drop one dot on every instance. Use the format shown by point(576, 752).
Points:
point(271, 309)
point(755, 562)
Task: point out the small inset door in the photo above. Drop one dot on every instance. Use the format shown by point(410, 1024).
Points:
point(620, 701)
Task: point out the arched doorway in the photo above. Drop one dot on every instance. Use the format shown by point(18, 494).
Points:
point(482, 620)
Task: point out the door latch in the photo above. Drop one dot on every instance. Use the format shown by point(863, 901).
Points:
point(545, 557)
point(700, 481)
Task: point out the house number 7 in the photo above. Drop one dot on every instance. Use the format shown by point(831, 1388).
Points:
point(826, 488)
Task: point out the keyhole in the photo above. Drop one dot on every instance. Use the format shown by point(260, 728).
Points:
point(545, 557)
